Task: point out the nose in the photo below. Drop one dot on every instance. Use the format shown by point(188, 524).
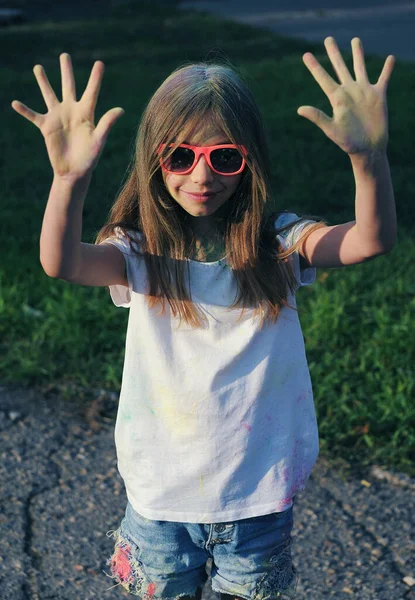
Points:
point(202, 173)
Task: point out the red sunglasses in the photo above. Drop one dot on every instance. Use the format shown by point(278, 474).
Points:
point(223, 159)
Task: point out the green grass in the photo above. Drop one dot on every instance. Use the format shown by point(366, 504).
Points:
point(357, 321)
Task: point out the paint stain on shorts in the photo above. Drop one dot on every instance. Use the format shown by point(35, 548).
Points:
point(125, 568)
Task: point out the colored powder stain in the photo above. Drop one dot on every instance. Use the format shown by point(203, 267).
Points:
point(268, 418)
point(180, 424)
point(151, 589)
point(248, 427)
point(285, 475)
point(301, 397)
point(120, 564)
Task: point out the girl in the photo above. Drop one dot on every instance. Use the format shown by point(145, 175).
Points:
point(216, 430)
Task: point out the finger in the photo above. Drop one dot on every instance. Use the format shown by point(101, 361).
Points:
point(336, 60)
point(316, 116)
point(386, 73)
point(68, 80)
point(359, 61)
point(45, 87)
point(327, 84)
point(27, 112)
point(91, 93)
point(106, 122)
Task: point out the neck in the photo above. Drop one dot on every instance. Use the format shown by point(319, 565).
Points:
point(209, 245)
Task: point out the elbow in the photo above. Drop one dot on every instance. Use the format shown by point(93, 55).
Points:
point(381, 249)
point(52, 273)
point(46, 268)
point(390, 244)
point(389, 247)
point(49, 272)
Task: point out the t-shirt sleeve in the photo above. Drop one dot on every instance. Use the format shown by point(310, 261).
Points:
point(304, 276)
point(120, 294)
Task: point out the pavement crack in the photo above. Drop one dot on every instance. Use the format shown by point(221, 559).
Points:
point(382, 549)
point(35, 560)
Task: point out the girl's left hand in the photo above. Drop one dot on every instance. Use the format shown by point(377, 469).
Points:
point(360, 117)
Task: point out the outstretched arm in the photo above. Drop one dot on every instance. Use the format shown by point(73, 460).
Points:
point(359, 126)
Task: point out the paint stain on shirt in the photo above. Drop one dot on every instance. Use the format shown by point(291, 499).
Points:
point(181, 424)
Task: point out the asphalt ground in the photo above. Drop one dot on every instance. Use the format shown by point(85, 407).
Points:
point(60, 494)
point(384, 26)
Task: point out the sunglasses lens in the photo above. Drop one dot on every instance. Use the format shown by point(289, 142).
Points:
point(181, 160)
point(226, 160)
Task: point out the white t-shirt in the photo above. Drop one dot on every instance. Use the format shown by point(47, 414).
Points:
point(214, 424)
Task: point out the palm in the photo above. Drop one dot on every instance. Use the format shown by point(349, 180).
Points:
point(73, 142)
point(360, 121)
point(71, 147)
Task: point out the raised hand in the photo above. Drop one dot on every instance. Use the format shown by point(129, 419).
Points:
point(73, 142)
point(360, 118)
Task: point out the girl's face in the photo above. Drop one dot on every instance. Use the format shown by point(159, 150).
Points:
point(202, 179)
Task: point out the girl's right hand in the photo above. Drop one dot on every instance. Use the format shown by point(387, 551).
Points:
point(73, 142)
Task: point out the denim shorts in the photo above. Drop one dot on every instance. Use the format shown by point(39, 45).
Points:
point(250, 558)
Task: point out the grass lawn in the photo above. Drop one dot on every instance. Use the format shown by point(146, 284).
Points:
point(358, 322)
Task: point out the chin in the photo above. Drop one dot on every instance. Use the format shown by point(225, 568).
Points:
point(202, 212)
point(201, 209)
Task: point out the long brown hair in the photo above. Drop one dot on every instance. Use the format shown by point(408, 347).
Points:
point(193, 94)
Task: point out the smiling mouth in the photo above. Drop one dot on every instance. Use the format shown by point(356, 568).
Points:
point(200, 197)
point(201, 194)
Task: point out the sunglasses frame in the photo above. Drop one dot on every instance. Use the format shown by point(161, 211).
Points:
point(205, 151)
